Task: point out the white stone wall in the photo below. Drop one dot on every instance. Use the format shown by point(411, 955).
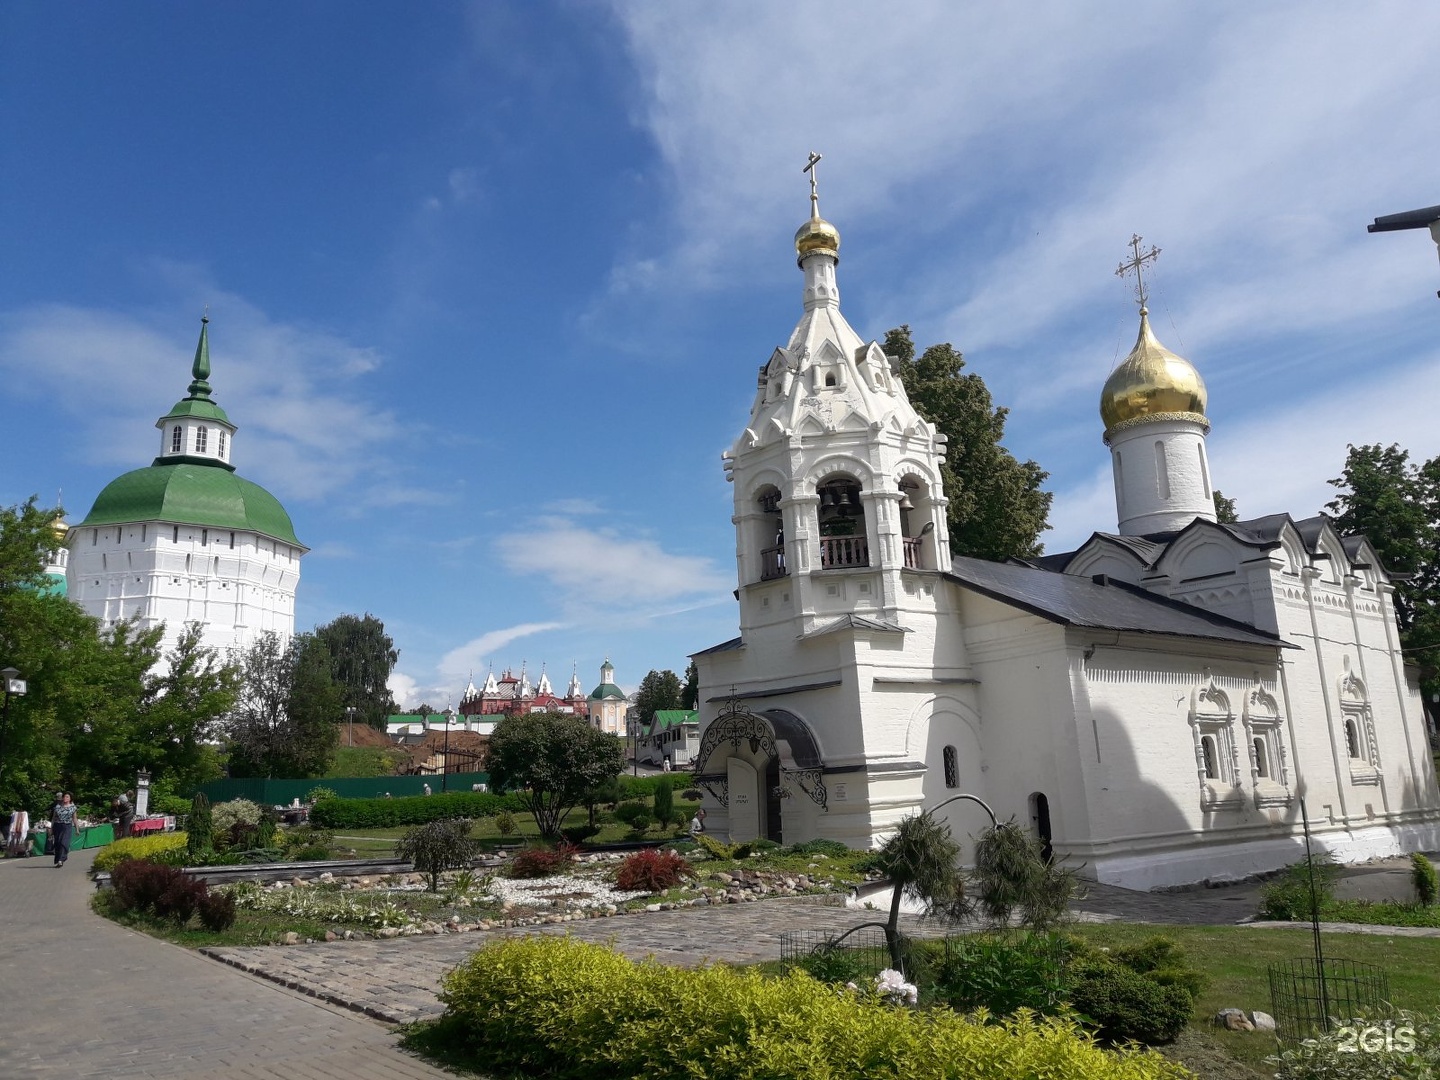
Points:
point(239, 584)
point(1162, 476)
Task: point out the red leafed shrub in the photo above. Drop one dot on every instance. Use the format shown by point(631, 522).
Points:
point(217, 911)
point(651, 871)
point(538, 862)
point(165, 891)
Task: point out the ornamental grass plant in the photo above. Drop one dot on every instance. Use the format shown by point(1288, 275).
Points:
point(570, 1010)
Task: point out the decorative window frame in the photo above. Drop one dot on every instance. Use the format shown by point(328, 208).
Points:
point(1212, 718)
point(202, 439)
point(1355, 711)
point(1264, 723)
point(177, 439)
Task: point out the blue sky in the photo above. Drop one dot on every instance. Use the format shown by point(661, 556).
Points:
point(489, 283)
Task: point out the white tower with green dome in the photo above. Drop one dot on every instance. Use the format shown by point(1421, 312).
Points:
point(187, 539)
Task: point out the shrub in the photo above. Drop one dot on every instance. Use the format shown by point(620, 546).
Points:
point(1424, 878)
point(1002, 974)
point(410, 809)
point(1333, 1055)
point(1162, 960)
point(578, 834)
point(309, 853)
point(664, 802)
point(569, 1010)
point(691, 795)
point(651, 871)
point(1287, 897)
point(632, 814)
point(265, 830)
point(830, 964)
point(1125, 1006)
point(138, 884)
point(1012, 874)
point(294, 839)
point(540, 861)
point(505, 822)
point(180, 899)
point(217, 912)
point(320, 793)
point(716, 849)
point(200, 826)
point(139, 847)
point(438, 846)
point(226, 815)
point(829, 848)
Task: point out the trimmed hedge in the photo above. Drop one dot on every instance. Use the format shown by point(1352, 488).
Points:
point(571, 1010)
point(138, 847)
point(411, 810)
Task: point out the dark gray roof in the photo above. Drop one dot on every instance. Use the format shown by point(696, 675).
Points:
point(724, 646)
point(851, 621)
point(1102, 603)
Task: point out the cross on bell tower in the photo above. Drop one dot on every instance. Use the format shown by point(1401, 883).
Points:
point(1136, 264)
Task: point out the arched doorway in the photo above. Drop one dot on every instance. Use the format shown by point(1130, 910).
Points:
point(1040, 823)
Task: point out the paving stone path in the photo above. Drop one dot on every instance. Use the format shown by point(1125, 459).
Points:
point(86, 998)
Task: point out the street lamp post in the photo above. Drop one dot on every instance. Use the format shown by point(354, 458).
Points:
point(350, 721)
point(445, 766)
point(14, 686)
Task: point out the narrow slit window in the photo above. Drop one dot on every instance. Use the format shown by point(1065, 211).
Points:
point(1352, 738)
point(221, 443)
point(952, 767)
point(1211, 759)
point(1162, 471)
point(1262, 756)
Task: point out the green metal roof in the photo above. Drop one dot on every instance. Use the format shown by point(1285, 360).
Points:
point(668, 718)
point(201, 407)
point(192, 494)
point(606, 690)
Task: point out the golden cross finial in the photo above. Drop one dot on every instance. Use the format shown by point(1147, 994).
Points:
point(814, 192)
point(1136, 263)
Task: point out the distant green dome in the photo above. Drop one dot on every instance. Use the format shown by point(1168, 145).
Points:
point(192, 494)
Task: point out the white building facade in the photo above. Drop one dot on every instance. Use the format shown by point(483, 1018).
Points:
point(187, 539)
point(1153, 705)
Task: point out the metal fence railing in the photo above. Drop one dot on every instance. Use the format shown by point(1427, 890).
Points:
point(1309, 997)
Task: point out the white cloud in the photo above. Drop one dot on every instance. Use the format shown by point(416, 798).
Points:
point(306, 428)
point(404, 690)
point(604, 568)
point(475, 653)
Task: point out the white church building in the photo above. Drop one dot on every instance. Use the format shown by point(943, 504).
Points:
point(1154, 705)
point(187, 539)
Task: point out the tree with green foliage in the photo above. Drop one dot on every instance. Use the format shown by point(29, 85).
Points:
point(664, 801)
point(362, 656)
point(1395, 503)
point(284, 720)
point(997, 509)
point(199, 826)
point(187, 697)
point(1226, 512)
point(658, 690)
point(921, 857)
point(438, 846)
point(690, 695)
point(1012, 874)
point(552, 760)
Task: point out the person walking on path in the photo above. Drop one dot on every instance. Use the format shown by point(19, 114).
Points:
point(62, 827)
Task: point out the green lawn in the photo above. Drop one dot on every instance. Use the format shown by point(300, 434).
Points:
point(1236, 959)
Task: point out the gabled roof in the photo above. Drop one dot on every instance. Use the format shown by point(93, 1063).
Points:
point(852, 621)
point(725, 646)
point(1101, 603)
point(668, 718)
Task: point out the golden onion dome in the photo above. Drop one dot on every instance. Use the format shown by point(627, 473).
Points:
point(59, 528)
point(1152, 383)
point(817, 236)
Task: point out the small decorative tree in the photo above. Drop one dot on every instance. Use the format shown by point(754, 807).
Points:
point(1012, 874)
point(438, 846)
point(921, 857)
point(664, 810)
point(1424, 878)
point(200, 827)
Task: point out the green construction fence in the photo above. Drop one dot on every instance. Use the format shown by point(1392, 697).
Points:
point(284, 792)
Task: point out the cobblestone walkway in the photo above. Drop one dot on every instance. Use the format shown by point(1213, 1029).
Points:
point(87, 998)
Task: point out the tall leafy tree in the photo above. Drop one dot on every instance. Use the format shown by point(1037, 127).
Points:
point(554, 761)
point(1396, 504)
point(362, 656)
point(997, 508)
point(690, 695)
point(187, 698)
point(285, 718)
point(658, 690)
point(1225, 510)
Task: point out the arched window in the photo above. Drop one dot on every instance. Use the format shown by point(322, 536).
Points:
point(952, 767)
point(914, 501)
point(830, 379)
point(177, 439)
point(1211, 757)
point(1352, 738)
point(1262, 756)
point(770, 539)
point(222, 442)
point(1162, 471)
point(202, 439)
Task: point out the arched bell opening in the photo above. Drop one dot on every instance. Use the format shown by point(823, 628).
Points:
point(769, 537)
point(917, 523)
point(842, 524)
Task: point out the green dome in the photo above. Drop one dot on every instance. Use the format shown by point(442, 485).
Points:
point(195, 406)
point(191, 494)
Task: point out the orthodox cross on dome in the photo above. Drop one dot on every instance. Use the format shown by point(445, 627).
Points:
point(1136, 264)
point(814, 191)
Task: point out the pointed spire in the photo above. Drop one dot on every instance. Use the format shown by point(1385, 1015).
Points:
point(200, 370)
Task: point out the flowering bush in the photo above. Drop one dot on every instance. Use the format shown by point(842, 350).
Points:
point(651, 871)
point(891, 987)
point(320, 906)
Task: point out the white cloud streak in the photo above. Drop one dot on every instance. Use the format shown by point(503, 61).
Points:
point(461, 661)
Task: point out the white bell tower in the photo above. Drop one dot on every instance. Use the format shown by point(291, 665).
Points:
point(837, 478)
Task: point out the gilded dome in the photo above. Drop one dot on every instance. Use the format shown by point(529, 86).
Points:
point(817, 236)
point(1152, 382)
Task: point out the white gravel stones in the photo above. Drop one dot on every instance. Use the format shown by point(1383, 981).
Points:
point(562, 890)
